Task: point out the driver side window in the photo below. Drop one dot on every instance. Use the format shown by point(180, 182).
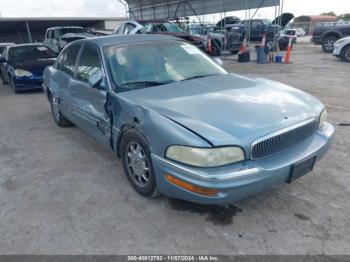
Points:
point(89, 65)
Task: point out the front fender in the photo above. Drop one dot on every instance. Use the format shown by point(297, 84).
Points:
point(158, 130)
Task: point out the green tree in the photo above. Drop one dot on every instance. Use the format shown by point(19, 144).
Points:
point(345, 17)
point(329, 13)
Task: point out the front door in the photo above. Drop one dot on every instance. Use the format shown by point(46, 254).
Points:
point(89, 95)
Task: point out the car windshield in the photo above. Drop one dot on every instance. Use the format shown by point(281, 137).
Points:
point(30, 52)
point(64, 31)
point(195, 31)
point(135, 66)
point(170, 27)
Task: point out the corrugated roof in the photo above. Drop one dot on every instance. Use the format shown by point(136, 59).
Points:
point(170, 9)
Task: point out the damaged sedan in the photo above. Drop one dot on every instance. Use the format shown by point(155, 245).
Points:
point(181, 124)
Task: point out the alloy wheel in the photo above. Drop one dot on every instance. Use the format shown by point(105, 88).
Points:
point(55, 109)
point(137, 164)
point(347, 55)
point(329, 45)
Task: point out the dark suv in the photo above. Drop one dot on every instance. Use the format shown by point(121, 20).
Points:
point(327, 36)
point(169, 28)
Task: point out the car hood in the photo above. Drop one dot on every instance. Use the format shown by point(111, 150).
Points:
point(36, 66)
point(283, 19)
point(228, 109)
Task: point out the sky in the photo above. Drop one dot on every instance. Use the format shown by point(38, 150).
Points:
point(113, 8)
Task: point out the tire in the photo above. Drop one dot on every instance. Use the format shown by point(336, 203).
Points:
point(58, 117)
point(328, 44)
point(137, 163)
point(345, 54)
point(4, 82)
point(13, 86)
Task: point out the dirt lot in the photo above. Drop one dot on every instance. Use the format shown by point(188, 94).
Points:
point(61, 193)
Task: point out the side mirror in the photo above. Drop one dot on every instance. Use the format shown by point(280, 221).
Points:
point(96, 79)
point(218, 61)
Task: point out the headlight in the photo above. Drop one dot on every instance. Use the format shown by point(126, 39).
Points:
point(23, 73)
point(205, 157)
point(323, 118)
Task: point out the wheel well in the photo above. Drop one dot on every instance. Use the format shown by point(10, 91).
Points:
point(346, 46)
point(122, 133)
point(48, 93)
point(337, 35)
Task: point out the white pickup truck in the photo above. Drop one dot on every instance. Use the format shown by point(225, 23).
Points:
point(58, 37)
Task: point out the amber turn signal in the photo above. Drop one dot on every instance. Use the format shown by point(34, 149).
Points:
point(192, 188)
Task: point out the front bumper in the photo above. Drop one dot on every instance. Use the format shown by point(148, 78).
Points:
point(28, 83)
point(337, 50)
point(240, 180)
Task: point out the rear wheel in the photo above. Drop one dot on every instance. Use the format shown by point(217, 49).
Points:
point(3, 78)
point(58, 117)
point(345, 54)
point(328, 44)
point(137, 163)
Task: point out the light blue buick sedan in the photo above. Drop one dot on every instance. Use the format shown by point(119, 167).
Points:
point(182, 125)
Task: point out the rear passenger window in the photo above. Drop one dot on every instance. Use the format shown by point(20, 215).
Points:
point(66, 61)
point(89, 64)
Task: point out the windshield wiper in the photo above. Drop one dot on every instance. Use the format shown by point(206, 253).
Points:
point(199, 76)
point(146, 83)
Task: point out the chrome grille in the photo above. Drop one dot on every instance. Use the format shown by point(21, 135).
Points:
point(282, 139)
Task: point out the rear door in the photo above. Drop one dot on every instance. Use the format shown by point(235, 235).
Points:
point(89, 101)
point(63, 77)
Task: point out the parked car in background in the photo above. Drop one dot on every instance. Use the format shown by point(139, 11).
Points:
point(290, 32)
point(342, 49)
point(129, 28)
point(58, 37)
point(327, 36)
point(228, 22)
point(181, 124)
point(170, 28)
point(259, 27)
point(2, 52)
point(22, 65)
point(300, 31)
point(3, 47)
point(221, 40)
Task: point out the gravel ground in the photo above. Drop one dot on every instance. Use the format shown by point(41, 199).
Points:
point(61, 193)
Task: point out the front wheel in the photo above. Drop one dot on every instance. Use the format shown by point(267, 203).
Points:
point(58, 117)
point(137, 164)
point(345, 54)
point(328, 44)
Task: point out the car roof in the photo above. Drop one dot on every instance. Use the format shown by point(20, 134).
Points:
point(63, 27)
point(28, 44)
point(6, 44)
point(124, 39)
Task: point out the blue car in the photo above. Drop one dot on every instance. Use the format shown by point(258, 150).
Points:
point(182, 125)
point(22, 65)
